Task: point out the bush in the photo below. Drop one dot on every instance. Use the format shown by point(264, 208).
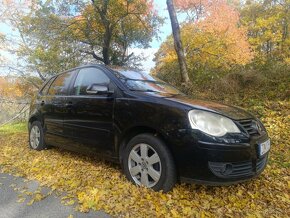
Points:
point(269, 81)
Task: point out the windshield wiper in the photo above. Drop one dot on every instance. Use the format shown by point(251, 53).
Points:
point(143, 90)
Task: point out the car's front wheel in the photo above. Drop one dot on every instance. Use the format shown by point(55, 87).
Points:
point(36, 138)
point(148, 162)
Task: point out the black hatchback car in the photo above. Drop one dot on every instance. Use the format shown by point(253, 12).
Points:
point(159, 135)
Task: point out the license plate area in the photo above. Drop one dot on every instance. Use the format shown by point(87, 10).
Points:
point(264, 147)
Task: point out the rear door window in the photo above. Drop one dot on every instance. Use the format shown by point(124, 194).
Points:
point(60, 85)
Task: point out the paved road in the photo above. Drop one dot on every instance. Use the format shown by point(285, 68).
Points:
point(49, 207)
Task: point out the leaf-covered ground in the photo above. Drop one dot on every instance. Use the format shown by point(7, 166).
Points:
point(98, 185)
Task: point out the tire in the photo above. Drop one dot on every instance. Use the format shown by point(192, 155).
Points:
point(156, 164)
point(36, 137)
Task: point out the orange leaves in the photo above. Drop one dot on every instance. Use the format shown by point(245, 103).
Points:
point(10, 87)
point(191, 4)
point(211, 36)
point(222, 34)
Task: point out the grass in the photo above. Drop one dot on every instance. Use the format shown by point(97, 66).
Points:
point(13, 128)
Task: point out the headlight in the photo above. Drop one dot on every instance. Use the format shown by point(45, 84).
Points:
point(210, 123)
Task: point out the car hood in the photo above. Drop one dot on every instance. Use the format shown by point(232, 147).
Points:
point(232, 112)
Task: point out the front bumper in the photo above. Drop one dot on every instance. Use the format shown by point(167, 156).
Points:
point(216, 163)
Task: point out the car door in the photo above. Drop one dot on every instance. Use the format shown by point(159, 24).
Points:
point(53, 107)
point(89, 119)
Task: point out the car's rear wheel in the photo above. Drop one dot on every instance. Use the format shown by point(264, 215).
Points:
point(36, 139)
point(148, 162)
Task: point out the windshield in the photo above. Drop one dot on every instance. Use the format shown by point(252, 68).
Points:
point(143, 82)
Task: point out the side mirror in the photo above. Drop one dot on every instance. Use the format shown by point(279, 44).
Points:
point(99, 89)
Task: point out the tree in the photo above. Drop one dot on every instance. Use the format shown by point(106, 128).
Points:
point(54, 35)
point(177, 41)
point(14, 95)
point(12, 87)
point(33, 49)
point(110, 27)
point(2, 45)
point(268, 29)
point(213, 40)
point(43, 46)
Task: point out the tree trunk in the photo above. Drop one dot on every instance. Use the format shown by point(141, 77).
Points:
point(107, 44)
point(106, 55)
point(177, 41)
point(108, 29)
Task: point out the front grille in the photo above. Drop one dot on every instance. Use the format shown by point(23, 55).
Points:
point(250, 126)
point(237, 169)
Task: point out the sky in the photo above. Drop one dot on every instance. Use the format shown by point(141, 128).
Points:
point(148, 63)
point(165, 30)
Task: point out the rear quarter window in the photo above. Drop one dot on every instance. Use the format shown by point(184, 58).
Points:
point(45, 88)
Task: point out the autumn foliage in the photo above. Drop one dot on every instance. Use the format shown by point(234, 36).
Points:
point(109, 28)
point(212, 37)
point(11, 88)
point(268, 30)
point(237, 52)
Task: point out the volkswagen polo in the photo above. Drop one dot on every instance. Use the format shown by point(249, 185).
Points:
point(157, 134)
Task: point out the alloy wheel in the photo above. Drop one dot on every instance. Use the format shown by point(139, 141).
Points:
point(34, 137)
point(144, 165)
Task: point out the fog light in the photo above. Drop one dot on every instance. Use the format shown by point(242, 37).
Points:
point(221, 169)
point(226, 169)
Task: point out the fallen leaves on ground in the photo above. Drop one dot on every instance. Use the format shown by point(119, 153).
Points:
point(100, 185)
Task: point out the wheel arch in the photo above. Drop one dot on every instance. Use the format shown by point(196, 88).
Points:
point(34, 118)
point(134, 131)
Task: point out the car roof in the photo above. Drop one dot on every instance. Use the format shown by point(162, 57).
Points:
point(110, 67)
point(79, 67)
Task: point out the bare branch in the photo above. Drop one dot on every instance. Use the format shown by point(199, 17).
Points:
point(93, 54)
point(22, 75)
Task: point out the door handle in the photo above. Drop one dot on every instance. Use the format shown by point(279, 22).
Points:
point(42, 103)
point(69, 104)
